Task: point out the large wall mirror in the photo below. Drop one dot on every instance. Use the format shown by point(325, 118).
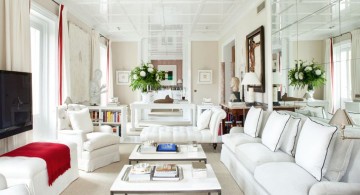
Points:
point(306, 30)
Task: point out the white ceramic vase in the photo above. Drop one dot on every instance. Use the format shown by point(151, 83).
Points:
point(147, 97)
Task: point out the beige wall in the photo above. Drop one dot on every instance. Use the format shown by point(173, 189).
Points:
point(248, 22)
point(308, 51)
point(124, 57)
point(204, 56)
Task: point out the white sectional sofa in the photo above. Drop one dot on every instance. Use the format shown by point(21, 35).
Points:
point(259, 170)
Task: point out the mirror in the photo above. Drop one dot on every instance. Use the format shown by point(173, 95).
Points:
point(301, 30)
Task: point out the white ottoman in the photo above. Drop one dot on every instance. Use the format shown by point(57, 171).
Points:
point(33, 172)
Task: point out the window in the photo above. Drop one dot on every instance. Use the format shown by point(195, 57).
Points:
point(342, 74)
point(103, 68)
point(44, 72)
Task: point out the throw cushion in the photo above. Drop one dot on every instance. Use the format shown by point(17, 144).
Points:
point(273, 129)
point(80, 120)
point(314, 147)
point(204, 119)
point(253, 121)
point(315, 111)
point(289, 136)
point(340, 159)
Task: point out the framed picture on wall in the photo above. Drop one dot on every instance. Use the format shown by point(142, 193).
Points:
point(255, 47)
point(122, 77)
point(170, 74)
point(204, 77)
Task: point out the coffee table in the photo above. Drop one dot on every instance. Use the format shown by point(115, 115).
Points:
point(187, 184)
point(184, 154)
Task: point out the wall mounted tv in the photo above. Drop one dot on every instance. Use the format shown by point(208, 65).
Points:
point(15, 103)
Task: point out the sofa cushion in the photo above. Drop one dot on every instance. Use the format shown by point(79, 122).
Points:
point(253, 121)
point(204, 119)
point(288, 137)
point(283, 178)
point(98, 140)
point(235, 139)
point(339, 159)
point(273, 129)
point(81, 120)
point(314, 147)
point(252, 155)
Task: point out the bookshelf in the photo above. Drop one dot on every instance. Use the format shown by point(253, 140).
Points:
point(114, 116)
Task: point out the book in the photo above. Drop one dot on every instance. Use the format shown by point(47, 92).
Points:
point(199, 170)
point(166, 148)
point(166, 171)
point(140, 173)
point(147, 148)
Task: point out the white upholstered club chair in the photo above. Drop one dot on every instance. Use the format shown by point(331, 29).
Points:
point(20, 189)
point(97, 146)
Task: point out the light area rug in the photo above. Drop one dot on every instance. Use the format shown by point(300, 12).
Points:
point(100, 181)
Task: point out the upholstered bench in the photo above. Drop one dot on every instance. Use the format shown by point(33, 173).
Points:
point(33, 172)
point(206, 130)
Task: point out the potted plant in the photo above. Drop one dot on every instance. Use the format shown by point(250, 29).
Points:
point(311, 75)
point(146, 78)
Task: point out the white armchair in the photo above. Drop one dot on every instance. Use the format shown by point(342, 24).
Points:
point(20, 189)
point(97, 146)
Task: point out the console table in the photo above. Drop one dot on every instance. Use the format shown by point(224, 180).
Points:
point(182, 113)
point(237, 113)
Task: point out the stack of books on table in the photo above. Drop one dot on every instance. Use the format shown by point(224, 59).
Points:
point(199, 170)
point(166, 172)
point(140, 172)
point(148, 147)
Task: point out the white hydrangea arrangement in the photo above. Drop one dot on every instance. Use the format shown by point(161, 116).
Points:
point(145, 77)
point(311, 75)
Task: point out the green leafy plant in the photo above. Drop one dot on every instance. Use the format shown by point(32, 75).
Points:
point(311, 75)
point(146, 77)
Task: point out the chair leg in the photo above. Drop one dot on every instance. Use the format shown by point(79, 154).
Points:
point(214, 146)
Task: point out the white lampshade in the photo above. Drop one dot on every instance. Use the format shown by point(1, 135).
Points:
point(179, 81)
point(250, 78)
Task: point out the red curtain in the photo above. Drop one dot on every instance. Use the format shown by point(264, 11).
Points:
point(60, 51)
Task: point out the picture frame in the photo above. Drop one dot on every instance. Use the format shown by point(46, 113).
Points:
point(122, 77)
point(170, 74)
point(204, 77)
point(255, 51)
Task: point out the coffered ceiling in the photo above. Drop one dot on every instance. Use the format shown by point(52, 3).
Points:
point(169, 19)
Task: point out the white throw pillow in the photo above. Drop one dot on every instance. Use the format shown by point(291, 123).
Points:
point(253, 121)
point(314, 147)
point(81, 120)
point(288, 137)
point(204, 119)
point(273, 129)
point(339, 159)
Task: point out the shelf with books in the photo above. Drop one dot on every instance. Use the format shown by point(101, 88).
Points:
point(114, 116)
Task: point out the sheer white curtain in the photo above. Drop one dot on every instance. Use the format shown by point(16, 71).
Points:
point(355, 62)
point(17, 35)
point(15, 52)
point(328, 63)
point(110, 74)
point(64, 55)
point(95, 51)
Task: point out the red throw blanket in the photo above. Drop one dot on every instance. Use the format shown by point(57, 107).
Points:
point(56, 156)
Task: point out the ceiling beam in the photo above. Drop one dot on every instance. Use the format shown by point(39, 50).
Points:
point(197, 16)
point(130, 21)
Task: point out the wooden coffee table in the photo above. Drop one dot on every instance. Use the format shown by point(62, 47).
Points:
point(186, 185)
point(184, 154)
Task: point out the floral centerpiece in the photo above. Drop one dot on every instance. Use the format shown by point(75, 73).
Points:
point(146, 77)
point(311, 75)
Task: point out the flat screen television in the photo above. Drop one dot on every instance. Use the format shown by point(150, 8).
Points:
point(15, 103)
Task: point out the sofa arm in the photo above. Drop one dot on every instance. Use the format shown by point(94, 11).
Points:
point(20, 189)
point(3, 183)
point(237, 130)
point(103, 128)
point(76, 136)
point(340, 188)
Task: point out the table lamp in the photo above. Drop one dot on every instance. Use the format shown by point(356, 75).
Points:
point(250, 78)
point(341, 118)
